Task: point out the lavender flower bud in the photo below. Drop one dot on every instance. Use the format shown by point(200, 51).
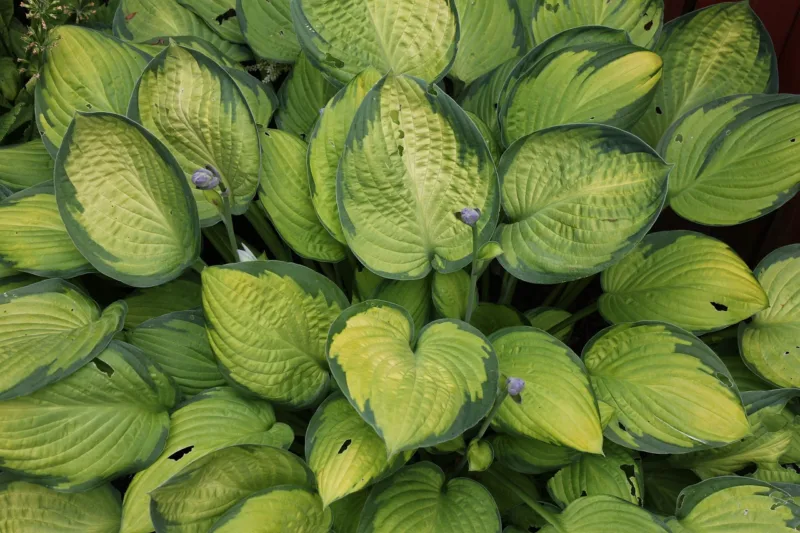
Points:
point(515, 386)
point(205, 179)
point(469, 216)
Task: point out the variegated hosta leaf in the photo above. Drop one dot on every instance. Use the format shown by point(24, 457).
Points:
point(260, 96)
point(605, 514)
point(125, 201)
point(490, 33)
point(710, 53)
point(451, 294)
point(418, 498)
point(344, 452)
point(726, 504)
point(508, 488)
point(531, 456)
point(25, 165)
point(557, 388)
point(662, 381)
point(86, 71)
point(277, 510)
point(182, 294)
point(775, 473)
point(267, 27)
point(48, 330)
point(29, 508)
point(212, 420)
point(407, 138)
point(745, 379)
point(196, 109)
point(178, 343)
point(347, 512)
point(616, 473)
point(482, 96)
point(489, 317)
point(596, 82)
point(286, 196)
point(663, 484)
point(109, 418)
point(578, 198)
point(327, 143)
point(414, 296)
point(33, 238)
point(301, 97)
point(192, 500)
point(545, 318)
point(439, 386)
point(769, 343)
point(487, 134)
point(268, 323)
point(218, 16)
point(641, 19)
point(143, 20)
point(414, 37)
point(11, 279)
point(685, 278)
point(735, 158)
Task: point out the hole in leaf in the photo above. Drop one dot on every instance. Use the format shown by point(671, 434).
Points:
point(345, 445)
point(88, 106)
point(719, 307)
point(432, 90)
point(584, 493)
point(401, 134)
point(225, 16)
point(648, 26)
point(181, 453)
point(400, 150)
point(103, 367)
point(791, 466)
point(793, 140)
point(658, 111)
point(679, 138)
point(622, 426)
point(338, 63)
point(725, 380)
point(630, 475)
point(679, 503)
point(395, 116)
point(281, 33)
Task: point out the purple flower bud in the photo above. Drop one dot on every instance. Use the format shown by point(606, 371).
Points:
point(469, 216)
point(206, 179)
point(515, 386)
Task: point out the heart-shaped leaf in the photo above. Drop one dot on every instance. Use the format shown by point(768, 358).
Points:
point(414, 37)
point(489, 318)
point(578, 198)
point(267, 27)
point(408, 137)
point(87, 71)
point(531, 456)
point(546, 318)
point(219, 15)
point(277, 510)
point(33, 238)
point(197, 110)
point(25, 165)
point(301, 96)
point(125, 201)
point(112, 414)
point(29, 508)
point(735, 158)
point(662, 381)
point(212, 420)
point(414, 296)
point(728, 352)
point(192, 500)
point(710, 53)
point(48, 330)
point(443, 380)
point(260, 96)
point(482, 96)
point(419, 495)
point(181, 294)
point(769, 343)
point(286, 196)
point(268, 323)
point(604, 514)
point(684, 278)
point(556, 388)
point(347, 512)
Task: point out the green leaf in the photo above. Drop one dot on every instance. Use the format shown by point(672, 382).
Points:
point(556, 389)
point(775, 473)
point(407, 406)
point(327, 143)
point(662, 380)
point(596, 82)
point(301, 96)
point(212, 420)
point(641, 19)
point(768, 343)
point(685, 278)
point(140, 227)
point(181, 294)
point(745, 379)
point(267, 27)
point(25, 165)
point(419, 495)
point(108, 419)
point(414, 37)
point(268, 323)
point(29, 508)
point(286, 196)
point(33, 238)
point(491, 33)
point(347, 512)
point(480, 455)
point(211, 125)
point(216, 14)
point(489, 318)
point(735, 158)
point(277, 510)
point(451, 294)
point(260, 96)
point(408, 137)
point(192, 500)
point(545, 318)
point(49, 330)
point(414, 296)
point(488, 136)
point(178, 343)
point(604, 514)
point(732, 503)
point(344, 452)
point(14, 119)
point(507, 487)
point(482, 96)
point(144, 20)
point(11, 280)
point(663, 484)
point(85, 71)
point(530, 456)
point(710, 53)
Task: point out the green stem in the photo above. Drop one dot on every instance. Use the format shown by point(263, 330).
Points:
point(579, 315)
point(215, 236)
point(328, 270)
point(507, 289)
point(259, 221)
point(501, 397)
point(572, 291)
point(199, 265)
point(227, 219)
point(553, 295)
point(473, 278)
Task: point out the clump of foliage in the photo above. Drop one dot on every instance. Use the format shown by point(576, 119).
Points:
point(225, 308)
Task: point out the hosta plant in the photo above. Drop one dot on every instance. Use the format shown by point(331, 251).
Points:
point(383, 266)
